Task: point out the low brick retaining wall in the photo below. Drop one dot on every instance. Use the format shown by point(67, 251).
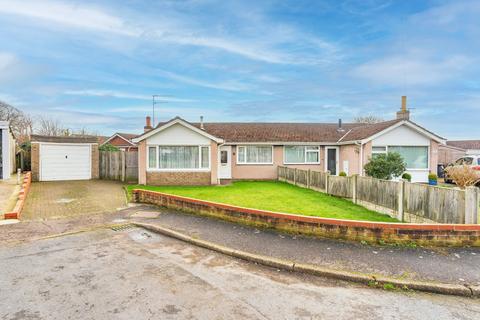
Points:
point(22, 196)
point(406, 233)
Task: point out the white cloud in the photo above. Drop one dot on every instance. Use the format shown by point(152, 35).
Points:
point(412, 69)
point(122, 95)
point(227, 85)
point(73, 15)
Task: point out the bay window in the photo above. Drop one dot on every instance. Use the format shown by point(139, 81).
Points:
point(177, 158)
point(301, 154)
point(254, 154)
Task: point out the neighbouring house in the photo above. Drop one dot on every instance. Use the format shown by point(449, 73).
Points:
point(7, 151)
point(64, 158)
point(123, 141)
point(178, 152)
point(470, 146)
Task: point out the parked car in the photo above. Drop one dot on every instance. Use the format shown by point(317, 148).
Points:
point(471, 160)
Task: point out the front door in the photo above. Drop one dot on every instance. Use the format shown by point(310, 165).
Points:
point(331, 160)
point(225, 162)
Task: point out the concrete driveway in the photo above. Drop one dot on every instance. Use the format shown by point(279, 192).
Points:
point(135, 274)
point(50, 200)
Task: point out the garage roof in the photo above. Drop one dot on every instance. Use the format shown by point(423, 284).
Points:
point(63, 139)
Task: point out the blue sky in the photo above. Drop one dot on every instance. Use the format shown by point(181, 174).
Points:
point(95, 64)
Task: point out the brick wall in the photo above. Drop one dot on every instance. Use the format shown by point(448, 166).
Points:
point(422, 234)
point(35, 161)
point(95, 162)
point(178, 178)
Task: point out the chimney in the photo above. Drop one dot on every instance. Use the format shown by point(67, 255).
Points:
point(148, 124)
point(403, 114)
point(201, 123)
point(340, 129)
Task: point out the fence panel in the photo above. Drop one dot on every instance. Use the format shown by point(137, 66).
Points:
point(317, 180)
point(119, 165)
point(301, 177)
point(340, 186)
point(438, 204)
point(379, 192)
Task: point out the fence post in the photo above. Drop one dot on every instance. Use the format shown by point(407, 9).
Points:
point(354, 180)
point(295, 176)
point(327, 178)
point(401, 199)
point(471, 205)
point(123, 162)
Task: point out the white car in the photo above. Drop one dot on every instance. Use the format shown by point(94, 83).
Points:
point(470, 160)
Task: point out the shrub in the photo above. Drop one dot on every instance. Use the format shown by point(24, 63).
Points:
point(108, 147)
point(432, 176)
point(407, 176)
point(385, 166)
point(342, 174)
point(463, 176)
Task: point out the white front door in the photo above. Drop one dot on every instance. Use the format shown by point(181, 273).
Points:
point(225, 162)
point(65, 162)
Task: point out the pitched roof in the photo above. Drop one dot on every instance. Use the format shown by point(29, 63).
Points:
point(249, 132)
point(63, 139)
point(128, 136)
point(464, 144)
point(125, 136)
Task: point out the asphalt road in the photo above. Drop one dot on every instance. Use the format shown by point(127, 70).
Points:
point(134, 274)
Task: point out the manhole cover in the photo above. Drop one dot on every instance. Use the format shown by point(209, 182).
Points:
point(123, 227)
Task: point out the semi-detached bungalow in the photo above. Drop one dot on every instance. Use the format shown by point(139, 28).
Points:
point(179, 152)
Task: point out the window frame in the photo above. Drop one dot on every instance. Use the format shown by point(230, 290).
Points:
point(237, 151)
point(199, 169)
point(407, 169)
point(306, 151)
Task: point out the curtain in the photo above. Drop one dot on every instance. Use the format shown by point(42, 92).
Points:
point(294, 154)
point(152, 157)
point(173, 157)
point(255, 154)
point(414, 157)
point(205, 162)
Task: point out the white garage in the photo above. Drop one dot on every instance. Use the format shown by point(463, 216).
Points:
point(64, 158)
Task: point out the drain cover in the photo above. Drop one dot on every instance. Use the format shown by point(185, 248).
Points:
point(122, 227)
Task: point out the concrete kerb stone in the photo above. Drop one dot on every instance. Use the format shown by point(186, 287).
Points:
point(378, 281)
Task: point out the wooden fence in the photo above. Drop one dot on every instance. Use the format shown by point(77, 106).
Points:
point(119, 165)
point(411, 202)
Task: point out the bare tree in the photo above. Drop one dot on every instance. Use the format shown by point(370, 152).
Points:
point(50, 127)
point(370, 119)
point(21, 124)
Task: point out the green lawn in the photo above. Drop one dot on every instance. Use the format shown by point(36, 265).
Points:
point(275, 196)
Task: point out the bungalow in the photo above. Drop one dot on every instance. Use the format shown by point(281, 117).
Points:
point(179, 152)
point(471, 147)
point(123, 141)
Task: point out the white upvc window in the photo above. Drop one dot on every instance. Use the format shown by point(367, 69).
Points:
point(301, 154)
point(254, 154)
point(415, 157)
point(178, 158)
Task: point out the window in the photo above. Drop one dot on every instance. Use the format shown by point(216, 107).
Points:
point(301, 154)
point(414, 157)
point(468, 161)
point(178, 157)
point(255, 155)
point(152, 157)
point(224, 157)
point(378, 150)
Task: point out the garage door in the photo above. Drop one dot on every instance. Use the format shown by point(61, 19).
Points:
point(65, 162)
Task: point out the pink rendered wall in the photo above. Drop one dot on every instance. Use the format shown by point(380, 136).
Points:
point(433, 156)
point(269, 171)
point(351, 153)
point(142, 162)
point(214, 162)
